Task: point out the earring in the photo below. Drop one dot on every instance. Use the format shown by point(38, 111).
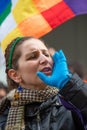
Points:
point(17, 94)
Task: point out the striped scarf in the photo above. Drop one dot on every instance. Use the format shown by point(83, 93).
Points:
point(15, 119)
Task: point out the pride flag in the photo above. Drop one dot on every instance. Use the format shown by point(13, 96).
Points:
point(35, 17)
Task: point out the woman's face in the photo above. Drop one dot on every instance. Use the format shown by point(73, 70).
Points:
point(34, 57)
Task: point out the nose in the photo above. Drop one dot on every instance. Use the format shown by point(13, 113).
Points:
point(43, 59)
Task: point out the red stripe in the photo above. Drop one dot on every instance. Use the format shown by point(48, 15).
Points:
point(58, 14)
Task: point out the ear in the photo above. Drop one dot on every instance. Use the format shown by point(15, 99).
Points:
point(13, 74)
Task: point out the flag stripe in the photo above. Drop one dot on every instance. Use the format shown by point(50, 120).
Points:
point(1, 57)
point(5, 13)
point(78, 6)
point(7, 27)
point(58, 14)
point(43, 5)
point(14, 2)
point(10, 36)
point(26, 10)
point(3, 5)
point(30, 26)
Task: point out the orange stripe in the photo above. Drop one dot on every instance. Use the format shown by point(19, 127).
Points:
point(43, 5)
point(34, 26)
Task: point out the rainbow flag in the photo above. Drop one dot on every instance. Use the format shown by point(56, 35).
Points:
point(35, 17)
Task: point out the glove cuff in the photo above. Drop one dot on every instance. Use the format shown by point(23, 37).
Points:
point(68, 77)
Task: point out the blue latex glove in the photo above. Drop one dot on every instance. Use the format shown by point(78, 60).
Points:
point(60, 75)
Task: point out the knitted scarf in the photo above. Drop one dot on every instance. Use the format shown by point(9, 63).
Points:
point(15, 120)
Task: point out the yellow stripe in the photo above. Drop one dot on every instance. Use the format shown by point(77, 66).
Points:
point(34, 26)
point(15, 33)
point(43, 5)
point(24, 9)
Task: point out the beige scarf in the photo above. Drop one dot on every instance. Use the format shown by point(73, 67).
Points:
point(15, 119)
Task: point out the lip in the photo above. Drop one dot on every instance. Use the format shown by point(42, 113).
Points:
point(47, 70)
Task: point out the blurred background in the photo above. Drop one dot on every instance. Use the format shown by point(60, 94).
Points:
point(71, 37)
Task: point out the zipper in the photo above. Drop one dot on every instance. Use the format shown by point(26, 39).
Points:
point(38, 121)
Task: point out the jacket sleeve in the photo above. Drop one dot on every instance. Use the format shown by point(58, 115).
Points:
point(75, 92)
point(3, 104)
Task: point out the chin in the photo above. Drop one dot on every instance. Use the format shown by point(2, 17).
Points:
point(41, 83)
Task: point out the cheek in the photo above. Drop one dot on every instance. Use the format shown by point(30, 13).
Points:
point(31, 69)
point(51, 62)
point(29, 73)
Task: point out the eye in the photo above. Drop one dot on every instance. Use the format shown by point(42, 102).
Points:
point(32, 56)
point(47, 54)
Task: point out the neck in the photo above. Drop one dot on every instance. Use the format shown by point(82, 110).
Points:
point(34, 87)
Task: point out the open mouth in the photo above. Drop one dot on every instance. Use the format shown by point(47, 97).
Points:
point(47, 71)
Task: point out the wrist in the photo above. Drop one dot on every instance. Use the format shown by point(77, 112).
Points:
point(66, 80)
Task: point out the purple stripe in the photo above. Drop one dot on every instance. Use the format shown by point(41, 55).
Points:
point(77, 6)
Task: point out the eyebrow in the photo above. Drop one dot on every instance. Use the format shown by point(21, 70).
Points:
point(43, 50)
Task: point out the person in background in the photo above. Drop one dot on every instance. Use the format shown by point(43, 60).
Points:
point(51, 50)
point(76, 67)
point(79, 68)
point(39, 84)
point(3, 93)
point(3, 90)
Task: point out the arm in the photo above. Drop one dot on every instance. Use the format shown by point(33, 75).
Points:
point(3, 104)
point(75, 91)
point(71, 87)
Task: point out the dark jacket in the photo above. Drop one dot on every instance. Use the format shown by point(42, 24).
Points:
point(3, 118)
point(75, 93)
point(52, 115)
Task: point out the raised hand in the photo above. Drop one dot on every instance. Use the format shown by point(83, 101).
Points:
point(60, 75)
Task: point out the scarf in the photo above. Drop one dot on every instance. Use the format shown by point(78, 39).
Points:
point(15, 120)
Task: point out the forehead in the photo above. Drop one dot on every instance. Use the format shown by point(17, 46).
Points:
point(32, 44)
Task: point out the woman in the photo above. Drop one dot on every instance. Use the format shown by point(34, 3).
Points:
point(34, 104)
